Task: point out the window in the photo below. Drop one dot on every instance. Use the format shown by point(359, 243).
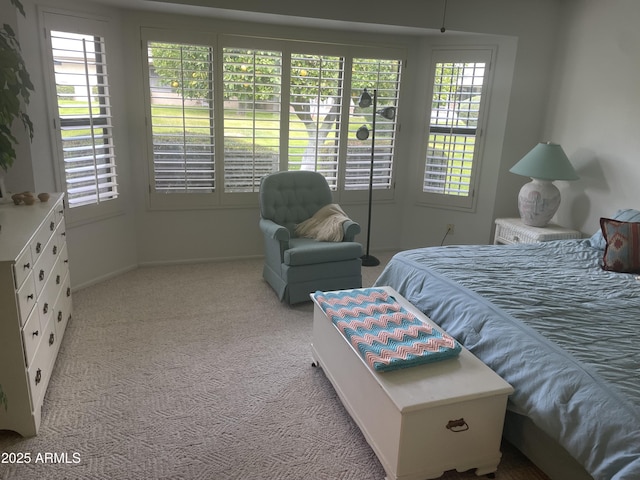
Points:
point(453, 151)
point(383, 76)
point(182, 122)
point(316, 86)
point(252, 102)
point(83, 123)
point(228, 110)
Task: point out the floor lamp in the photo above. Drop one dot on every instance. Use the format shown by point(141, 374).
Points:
point(362, 133)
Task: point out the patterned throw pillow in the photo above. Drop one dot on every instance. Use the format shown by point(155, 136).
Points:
point(622, 250)
point(624, 215)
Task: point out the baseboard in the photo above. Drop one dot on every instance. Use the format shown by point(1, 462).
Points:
point(160, 263)
point(102, 278)
point(129, 268)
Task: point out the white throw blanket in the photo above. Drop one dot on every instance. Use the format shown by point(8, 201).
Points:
point(325, 225)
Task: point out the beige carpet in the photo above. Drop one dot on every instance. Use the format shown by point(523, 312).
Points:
point(198, 372)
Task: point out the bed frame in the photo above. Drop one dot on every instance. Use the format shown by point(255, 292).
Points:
point(541, 449)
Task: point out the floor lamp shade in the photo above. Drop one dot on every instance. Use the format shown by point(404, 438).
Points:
point(539, 199)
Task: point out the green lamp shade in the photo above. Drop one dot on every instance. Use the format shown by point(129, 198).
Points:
point(546, 161)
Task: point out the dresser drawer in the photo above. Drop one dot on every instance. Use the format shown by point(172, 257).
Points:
point(63, 307)
point(22, 267)
point(32, 333)
point(61, 231)
point(42, 236)
point(26, 298)
point(40, 369)
point(61, 267)
point(47, 299)
point(44, 266)
point(59, 212)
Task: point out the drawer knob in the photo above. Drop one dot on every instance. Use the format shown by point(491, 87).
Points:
point(38, 247)
point(30, 296)
point(52, 338)
point(45, 308)
point(55, 249)
point(458, 425)
point(52, 226)
point(26, 266)
point(59, 315)
point(35, 334)
point(38, 376)
point(68, 291)
point(57, 279)
point(41, 275)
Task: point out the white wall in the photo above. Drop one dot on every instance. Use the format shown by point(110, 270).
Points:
point(524, 32)
point(593, 109)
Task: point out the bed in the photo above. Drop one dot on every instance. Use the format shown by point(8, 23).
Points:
point(559, 328)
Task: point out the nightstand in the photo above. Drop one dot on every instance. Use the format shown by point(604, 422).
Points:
point(512, 230)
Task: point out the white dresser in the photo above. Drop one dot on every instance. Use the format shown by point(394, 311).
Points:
point(35, 306)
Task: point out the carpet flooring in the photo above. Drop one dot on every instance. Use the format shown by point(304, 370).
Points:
point(197, 372)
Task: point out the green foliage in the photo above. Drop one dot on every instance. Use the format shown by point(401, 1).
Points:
point(15, 88)
point(255, 75)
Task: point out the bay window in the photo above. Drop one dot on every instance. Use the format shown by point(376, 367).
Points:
point(226, 111)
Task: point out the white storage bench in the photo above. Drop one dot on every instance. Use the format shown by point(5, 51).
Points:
point(422, 420)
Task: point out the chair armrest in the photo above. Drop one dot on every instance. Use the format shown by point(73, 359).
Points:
point(351, 229)
point(272, 230)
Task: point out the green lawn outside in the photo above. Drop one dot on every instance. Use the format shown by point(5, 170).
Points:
point(169, 119)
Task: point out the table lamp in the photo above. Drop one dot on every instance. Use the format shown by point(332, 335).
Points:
point(539, 199)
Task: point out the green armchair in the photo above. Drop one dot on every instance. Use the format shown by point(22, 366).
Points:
point(295, 266)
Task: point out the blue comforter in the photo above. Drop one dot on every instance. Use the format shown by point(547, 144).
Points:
point(550, 321)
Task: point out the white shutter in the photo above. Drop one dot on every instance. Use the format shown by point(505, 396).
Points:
point(252, 93)
point(181, 94)
point(84, 117)
point(455, 112)
point(383, 76)
point(316, 91)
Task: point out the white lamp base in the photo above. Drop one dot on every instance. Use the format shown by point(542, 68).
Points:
point(538, 202)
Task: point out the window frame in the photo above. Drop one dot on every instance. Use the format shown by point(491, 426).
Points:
point(178, 200)
point(288, 47)
point(458, 54)
point(56, 20)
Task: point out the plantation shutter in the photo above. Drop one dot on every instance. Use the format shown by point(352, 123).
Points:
point(383, 76)
point(181, 93)
point(252, 93)
point(455, 114)
point(84, 117)
point(316, 86)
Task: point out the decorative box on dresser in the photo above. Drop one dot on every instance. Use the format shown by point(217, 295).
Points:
point(513, 230)
point(35, 306)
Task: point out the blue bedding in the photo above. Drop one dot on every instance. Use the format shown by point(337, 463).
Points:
point(562, 331)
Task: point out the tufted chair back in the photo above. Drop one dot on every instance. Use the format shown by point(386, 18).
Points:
point(288, 198)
